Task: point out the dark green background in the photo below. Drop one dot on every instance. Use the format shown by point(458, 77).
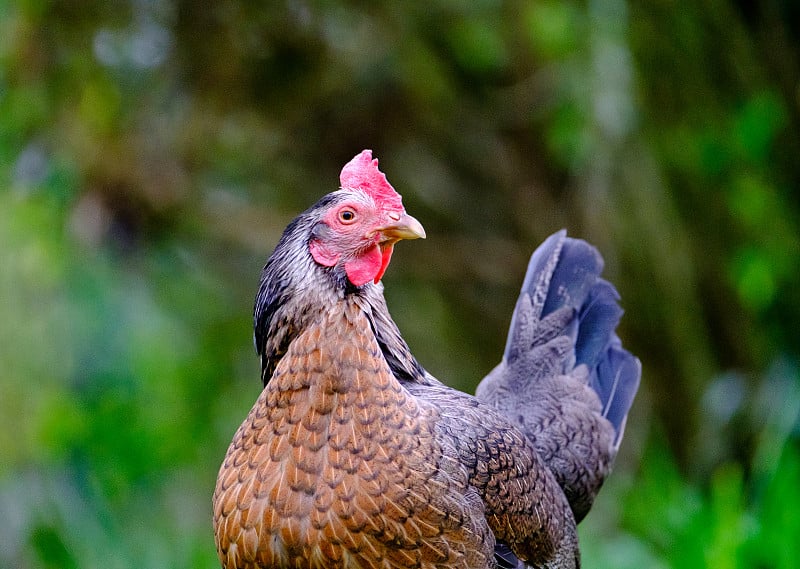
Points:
point(152, 151)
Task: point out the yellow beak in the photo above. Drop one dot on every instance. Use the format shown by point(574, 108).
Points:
point(406, 227)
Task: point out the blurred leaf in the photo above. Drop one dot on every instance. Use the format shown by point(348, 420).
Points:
point(477, 45)
point(554, 28)
point(754, 276)
point(100, 104)
point(777, 541)
point(666, 511)
point(757, 124)
point(752, 202)
point(567, 136)
point(51, 550)
point(728, 518)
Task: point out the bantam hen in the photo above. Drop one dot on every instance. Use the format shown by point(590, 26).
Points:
point(355, 457)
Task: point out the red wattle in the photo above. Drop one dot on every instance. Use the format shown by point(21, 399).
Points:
point(367, 267)
point(386, 256)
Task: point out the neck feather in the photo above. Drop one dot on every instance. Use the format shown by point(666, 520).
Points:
point(296, 292)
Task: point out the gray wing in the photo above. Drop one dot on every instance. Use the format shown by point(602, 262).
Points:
point(526, 509)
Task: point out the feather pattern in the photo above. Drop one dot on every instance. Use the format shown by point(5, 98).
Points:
point(354, 456)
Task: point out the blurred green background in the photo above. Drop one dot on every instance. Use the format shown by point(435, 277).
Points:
point(151, 152)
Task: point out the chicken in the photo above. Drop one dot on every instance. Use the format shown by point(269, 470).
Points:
point(354, 456)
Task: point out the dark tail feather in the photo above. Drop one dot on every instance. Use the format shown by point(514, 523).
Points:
point(575, 273)
point(565, 272)
point(561, 272)
point(597, 320)
point(616, 380)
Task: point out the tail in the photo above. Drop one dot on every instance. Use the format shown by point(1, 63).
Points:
point(565, 378)
point(565, 273)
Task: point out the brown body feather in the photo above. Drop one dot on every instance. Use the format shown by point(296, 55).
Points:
point(337, 465)
point(354, 457)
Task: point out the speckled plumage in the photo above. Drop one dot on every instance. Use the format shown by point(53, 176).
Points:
point(354, 456)
point(337, 465)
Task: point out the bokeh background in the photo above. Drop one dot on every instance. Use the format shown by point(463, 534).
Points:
point(151, 152)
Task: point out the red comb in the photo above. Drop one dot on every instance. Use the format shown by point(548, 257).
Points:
point(362, 173)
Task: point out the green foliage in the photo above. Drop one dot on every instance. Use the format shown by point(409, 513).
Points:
point(151, 153)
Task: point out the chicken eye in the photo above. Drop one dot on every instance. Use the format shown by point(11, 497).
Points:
point(347, 215)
